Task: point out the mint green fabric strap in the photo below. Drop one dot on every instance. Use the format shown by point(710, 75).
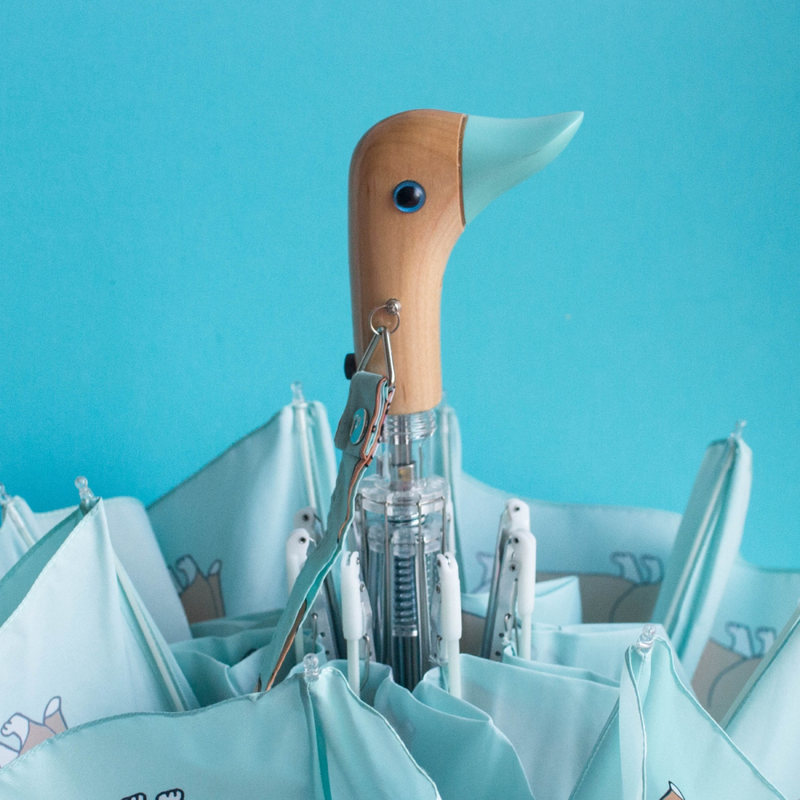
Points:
point(357, 436)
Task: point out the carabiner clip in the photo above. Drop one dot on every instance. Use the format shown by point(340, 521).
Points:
point(382, 333)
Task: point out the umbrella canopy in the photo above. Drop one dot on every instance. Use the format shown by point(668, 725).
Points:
point(764, 721)
point(618, 552)
point(551, 715)
point(597, 648)
point(76, 643)
point(456, 743)
point(660, 743)
point(308, 738)
point(134, 544)
point(222, 530)
point(756, 604)
point(706, 547)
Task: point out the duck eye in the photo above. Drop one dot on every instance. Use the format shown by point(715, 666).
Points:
point(409, 196)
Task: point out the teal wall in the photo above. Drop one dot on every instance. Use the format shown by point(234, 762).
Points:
point(173, 247)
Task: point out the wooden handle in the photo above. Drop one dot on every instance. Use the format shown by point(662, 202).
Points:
point(403, 255)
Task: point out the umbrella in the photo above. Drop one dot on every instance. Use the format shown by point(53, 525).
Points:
point(579, 718)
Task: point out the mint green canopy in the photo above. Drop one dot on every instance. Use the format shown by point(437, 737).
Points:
point(591, 714)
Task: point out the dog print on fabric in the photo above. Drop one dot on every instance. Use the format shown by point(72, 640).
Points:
point(627, 596)
point(29, 732)
point(200, 593)
point(725, 668)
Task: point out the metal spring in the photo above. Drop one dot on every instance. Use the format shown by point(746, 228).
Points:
point(405, 593)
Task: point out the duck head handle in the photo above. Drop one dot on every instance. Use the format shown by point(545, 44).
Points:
point(416, 180)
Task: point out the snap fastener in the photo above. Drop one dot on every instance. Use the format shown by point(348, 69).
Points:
point(359, 426)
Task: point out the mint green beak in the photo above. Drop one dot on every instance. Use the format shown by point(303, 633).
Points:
point(497, 154)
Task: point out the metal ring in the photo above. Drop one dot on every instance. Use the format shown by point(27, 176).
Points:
point(391, 307)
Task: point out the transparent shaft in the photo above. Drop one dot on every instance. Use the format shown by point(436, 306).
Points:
point(401, 527)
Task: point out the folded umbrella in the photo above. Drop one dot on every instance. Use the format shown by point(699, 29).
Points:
point(544, 726)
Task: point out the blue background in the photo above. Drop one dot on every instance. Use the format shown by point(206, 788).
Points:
point(173, 238)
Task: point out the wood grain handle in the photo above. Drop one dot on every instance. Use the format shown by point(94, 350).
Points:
point(400, 254)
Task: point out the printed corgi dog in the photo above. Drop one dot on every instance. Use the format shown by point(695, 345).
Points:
point(200, 593)
point(724, 669)
point(7, 754)
point(171, 794)
point(29, 733)
point(628, 596)
point(673, 793)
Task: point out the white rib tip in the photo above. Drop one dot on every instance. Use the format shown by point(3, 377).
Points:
point(352, 611)
point(518, 514)
point(450, 587)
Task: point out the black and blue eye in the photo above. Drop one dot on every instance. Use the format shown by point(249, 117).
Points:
point(409, 196)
